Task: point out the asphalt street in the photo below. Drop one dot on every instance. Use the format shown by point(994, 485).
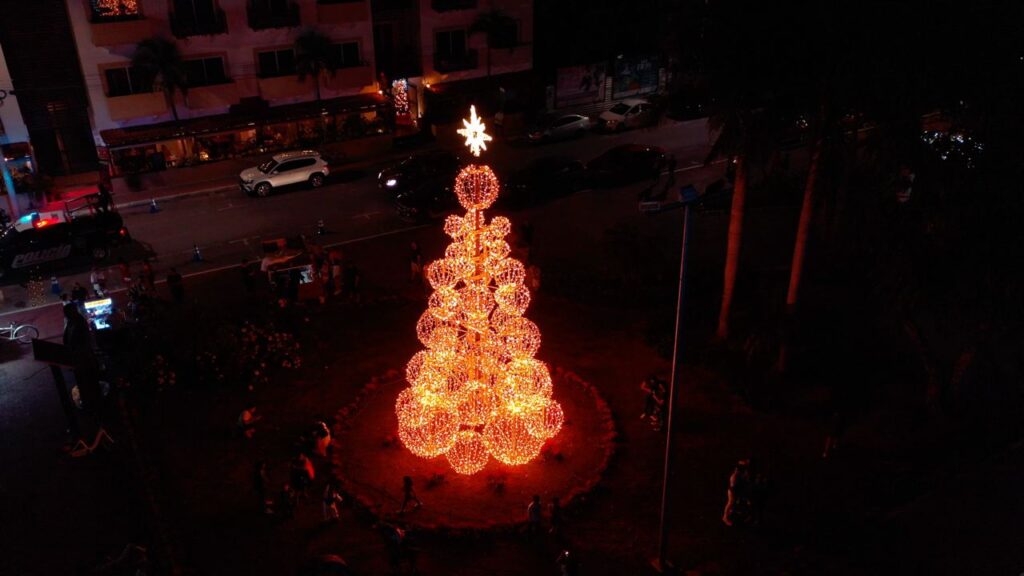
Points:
point(228, 226)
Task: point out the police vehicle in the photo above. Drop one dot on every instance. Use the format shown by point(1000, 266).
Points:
point(53, 239)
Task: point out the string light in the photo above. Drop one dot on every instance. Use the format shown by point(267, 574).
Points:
point(476, 390)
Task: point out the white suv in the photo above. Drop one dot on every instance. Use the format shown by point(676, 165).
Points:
point(284, 170)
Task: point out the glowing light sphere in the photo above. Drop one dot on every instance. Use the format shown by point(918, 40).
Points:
point(476, 187)
point(469, 453)
point(477, 391)
point(547, 421)
point(509, 440)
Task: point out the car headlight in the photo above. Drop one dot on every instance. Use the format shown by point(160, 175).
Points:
point(391, 182)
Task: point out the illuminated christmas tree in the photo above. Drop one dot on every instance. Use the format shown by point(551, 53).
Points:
point(476, 391)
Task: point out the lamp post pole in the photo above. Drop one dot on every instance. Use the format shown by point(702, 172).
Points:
point(688, 197)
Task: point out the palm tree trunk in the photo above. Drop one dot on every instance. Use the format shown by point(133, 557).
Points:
point(796, 271)
point(732, 254)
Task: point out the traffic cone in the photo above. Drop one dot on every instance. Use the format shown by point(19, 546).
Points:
point(320, 229)
point(197, 256)
point(153, 208)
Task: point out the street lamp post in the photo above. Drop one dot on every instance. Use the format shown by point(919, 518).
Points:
point(687, 198)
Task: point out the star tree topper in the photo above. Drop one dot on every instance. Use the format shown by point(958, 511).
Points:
point(474, 133)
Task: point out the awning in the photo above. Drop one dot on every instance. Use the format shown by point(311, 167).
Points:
point(135, 135)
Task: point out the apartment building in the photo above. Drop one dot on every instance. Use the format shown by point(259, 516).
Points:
point(241, 72)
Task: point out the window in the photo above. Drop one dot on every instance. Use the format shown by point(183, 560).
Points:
point(451, 44)
point(114, 10)
point(205, 71)
point(346, 54)
point(295, 164)
point(277, 63)
point(127, 80)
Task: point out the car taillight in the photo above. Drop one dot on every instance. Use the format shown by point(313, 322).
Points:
point(123, 231)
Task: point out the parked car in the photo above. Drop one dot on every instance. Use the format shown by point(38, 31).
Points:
point(560, 128)
point(630, 113)
point(626, 163)
point(286, 169)
point(435, 169)
point(543, 179)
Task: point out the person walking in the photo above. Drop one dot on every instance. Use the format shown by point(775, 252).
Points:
point(533, 516)
point(332, 498)
point(175, 285)
point(126, 272)
point(738, 492)
point(98, 280)
point(408, 495)
point(79, 293)
point(302, 474)
point(415, 263)
point(555, 517)
point(260, 481)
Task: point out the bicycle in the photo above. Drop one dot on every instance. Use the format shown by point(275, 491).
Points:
point(23, 333)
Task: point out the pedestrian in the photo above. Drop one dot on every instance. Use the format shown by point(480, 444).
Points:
point(148, 277)
point(567, 564)
point(247, 420)
point(302, 474)
point(738, 492)
point(104, 199)
point(555, 517)
point(336, 259)
point(533, 516)
point(175, 285)
point(98, 280)
point(321, 438)
point(415, 263)
point(394, 541)
point(126, 272)
point(332, 498)
point(79, 293)
point(260, 480)
point(55, 286)
point(352, 280)
point(408, 495)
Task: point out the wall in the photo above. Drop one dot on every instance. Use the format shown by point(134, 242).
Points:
point(507, 61)
point(10, 114)
point(238, 47)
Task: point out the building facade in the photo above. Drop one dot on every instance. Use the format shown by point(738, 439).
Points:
point(240, 65)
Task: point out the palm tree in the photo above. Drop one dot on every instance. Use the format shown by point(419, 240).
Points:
point(159, 60)
point(314, 55)
point(498, 27)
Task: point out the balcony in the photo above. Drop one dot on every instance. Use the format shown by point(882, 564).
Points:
point(263, 15)
point(213, 96)
point(350, 77)
point(347, 12)
point(512, 59)
point(185, 25)
point(450, 5)
point(285, 87)
point(136, 105)
point(109, 32)
point(445, 63)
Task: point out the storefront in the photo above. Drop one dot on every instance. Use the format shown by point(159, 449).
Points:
point(250, 128)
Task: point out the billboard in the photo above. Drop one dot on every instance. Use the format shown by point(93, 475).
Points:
point(582, 84)
point(634, 75)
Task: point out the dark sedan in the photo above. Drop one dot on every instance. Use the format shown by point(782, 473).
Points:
point(543, 179)
point(626, 164)
point(434, 169)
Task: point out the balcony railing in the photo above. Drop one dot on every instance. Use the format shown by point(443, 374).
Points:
point(262, 17)
point(183, 26)
point(453, 62)
point(449, 5)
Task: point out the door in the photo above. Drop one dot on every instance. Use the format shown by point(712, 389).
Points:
point(291, 172)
